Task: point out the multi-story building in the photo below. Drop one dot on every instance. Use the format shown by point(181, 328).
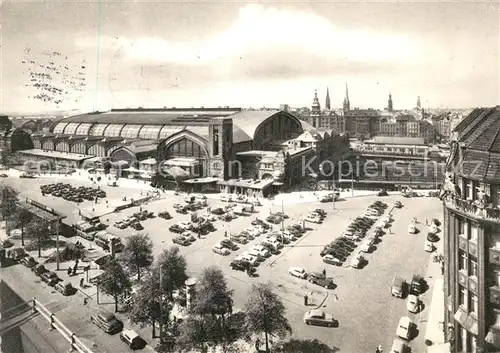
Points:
point(362, 123)
point(471, 197)
point(408, 126)
point(442, 125)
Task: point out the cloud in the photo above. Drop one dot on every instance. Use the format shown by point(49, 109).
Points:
point(265, 31)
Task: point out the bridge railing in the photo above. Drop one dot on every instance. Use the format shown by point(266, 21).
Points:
point(55, 323)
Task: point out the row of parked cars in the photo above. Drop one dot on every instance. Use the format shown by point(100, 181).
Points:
point(271, 245)
point(134, 221)
point(406, 327)
point(49, 277)
point(337, 252)
point(71, 193)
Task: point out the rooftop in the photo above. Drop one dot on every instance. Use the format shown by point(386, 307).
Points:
point(55, 154)
point(391, 140)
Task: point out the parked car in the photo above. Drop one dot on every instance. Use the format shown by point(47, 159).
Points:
point(412, 229)
point(429, 246)
point(398, 287)
point(132, 339)
point(319, 318)
point(416, 285)
point(39, 269)
point(433, 238)
point(298, 272)
point(241, 265)
point(175, 229)
point(65, 288)
point(226, 243)
point(218, 249)
point(398, 204)
point(331, 260)
point(239, 239)
point(50, 278)
point(404, 328)
point(313, 219)
point(106, 321)
point(181, 241)
point(398, 346)
point(322, 282)
point(366, 247)
point(29, 261)
point(412, 304)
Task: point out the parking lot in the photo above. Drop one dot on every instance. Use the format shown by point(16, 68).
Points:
point(361, 302)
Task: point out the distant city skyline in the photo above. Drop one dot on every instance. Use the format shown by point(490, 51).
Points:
point(248, 55)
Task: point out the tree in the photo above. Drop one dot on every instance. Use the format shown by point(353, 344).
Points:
point(138, 252)
point(301, 346)
point(38, 229)
point(21, 219)
point(173, 268)
point(8, 199)
point(154, 301)
point(114, 281)
point(210, 308)
point(265, 313)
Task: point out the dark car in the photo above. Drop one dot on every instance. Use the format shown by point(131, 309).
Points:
point(181, 241)
point(274, 219)
point(239, 239)
point(29, 261)
point(229, 244)
point(175, 229)
point(416, 285)
point(164, 215)
point(433, 238)
point(241, 265)
point(322, 282)
point(50, 278)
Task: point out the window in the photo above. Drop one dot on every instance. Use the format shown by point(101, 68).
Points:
point(97, 129)
point(217, 165)
point(469, 188)
point(113, 130)
point(463, 298)
point(463, 261)
point(464, 228)
point(129, 131)
point(473, 304)
point(473, 232)
point(473, 267)
point(59, 128)
point(83, 129)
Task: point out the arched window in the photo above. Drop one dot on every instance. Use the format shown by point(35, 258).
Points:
point(97, 150)
point(185, 148)
point(62, 146)
point(98, 130)
point(70, 129)
point(79, 147)
point(113, 130)
point(150, 132)
point(130, 131)
point(59, 128)
point(37, 144)
point(123, 154)
point(48, 145)
point(83, 129)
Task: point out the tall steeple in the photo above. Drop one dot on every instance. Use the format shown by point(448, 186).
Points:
point(347, 104)
point(327, 100)
point(315, 110)
point(419, 105)
point(389, 103)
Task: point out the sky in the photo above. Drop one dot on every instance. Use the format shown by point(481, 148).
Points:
point(122, 54)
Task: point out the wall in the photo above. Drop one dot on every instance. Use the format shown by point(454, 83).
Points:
point(23, 339)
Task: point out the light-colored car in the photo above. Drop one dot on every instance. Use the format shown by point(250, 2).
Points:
point(131, 338)
point(319, 318)
point(262, 251)
point(428, 246)
point(260, 229)
point(412, 229)
point(366, 246)
point(226, 198)
point(288, 235)
point(256, 254)
point(412, 303)
point(298, 272)
point(331, 260)
point(357, 261)
point(184, 224)
point(404, 328)
point(398, 346)
point(313, 219)
point(433, 228)
point(251, 259)
point(218, 249)
point(209, 217)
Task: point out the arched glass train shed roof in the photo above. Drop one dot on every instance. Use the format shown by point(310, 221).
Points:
point(157, 124)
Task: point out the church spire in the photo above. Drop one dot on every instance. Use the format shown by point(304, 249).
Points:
point(389, 103)
point(327, 100)
point(347, 104)
point(315, 110)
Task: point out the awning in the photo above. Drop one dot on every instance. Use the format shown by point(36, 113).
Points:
point(471, 324)
point(461, 316)
point(493, 336)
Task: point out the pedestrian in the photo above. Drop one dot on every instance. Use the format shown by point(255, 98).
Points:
point(74, 269)
point(415, 220)
point(257, 345)
point(81, 282)
point(389, 230)
point(306, 300)
point(324, 272)
point(85, 300)
point(225, 234)
point(426, 222)
point(69, 271)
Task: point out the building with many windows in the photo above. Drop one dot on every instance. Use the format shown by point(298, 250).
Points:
point(204, 142)
point(471, 197)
